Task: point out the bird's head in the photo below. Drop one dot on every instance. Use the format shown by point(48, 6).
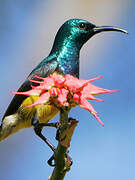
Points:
point(80, 31)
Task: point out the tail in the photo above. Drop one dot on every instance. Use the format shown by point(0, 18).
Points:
point(10, 125)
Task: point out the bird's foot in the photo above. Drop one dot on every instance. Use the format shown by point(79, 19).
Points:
point(51, 161)
point(35, 122)
point(41, 125)
point(59, 130)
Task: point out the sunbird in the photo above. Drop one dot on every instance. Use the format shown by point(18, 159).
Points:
point(63, 59)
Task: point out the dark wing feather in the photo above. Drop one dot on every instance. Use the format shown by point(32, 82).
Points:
point(44, 69)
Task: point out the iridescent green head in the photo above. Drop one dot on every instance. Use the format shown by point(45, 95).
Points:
point(79, 31)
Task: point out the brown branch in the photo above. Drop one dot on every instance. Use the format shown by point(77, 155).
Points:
point(63, 163)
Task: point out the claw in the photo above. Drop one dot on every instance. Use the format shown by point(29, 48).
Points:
point(71, 119)
point(59, 131)
point(68, 161)
point(50, 161)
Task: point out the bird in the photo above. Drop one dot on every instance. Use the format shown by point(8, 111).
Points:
point(62, 59)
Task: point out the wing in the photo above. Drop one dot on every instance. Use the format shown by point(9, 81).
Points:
point(44, 69)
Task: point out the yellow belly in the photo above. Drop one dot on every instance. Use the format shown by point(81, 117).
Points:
point(23, 117)
point(43, 112)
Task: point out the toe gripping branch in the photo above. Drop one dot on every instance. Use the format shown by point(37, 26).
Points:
point(62, 135)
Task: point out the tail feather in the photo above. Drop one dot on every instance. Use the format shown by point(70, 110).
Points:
point(9, 126)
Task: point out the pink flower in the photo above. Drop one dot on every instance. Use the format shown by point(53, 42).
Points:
point(66, 91)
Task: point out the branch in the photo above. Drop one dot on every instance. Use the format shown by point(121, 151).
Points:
point(63, 163)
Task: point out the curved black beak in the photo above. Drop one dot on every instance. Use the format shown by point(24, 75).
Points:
point(99, 29)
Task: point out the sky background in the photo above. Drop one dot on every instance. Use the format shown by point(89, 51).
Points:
point(27, 31)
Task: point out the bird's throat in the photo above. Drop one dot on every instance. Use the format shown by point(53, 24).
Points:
point(68, 58)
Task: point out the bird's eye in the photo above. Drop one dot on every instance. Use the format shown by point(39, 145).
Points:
point(82, 26)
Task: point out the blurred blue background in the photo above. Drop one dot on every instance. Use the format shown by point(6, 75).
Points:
point(27, 31)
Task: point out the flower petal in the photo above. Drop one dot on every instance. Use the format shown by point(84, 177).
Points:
point(93, 79)
point(47, 84)
point(44, 98)
point(73, 83)
point(53, 92)
point(91, 97)
point(76, 97)
point(35, 81)
point(86, 105)
point(32, 92)
point(86, 93)
point(58, 79)
point(95, 90)
point(39, 77)
point(62, 95)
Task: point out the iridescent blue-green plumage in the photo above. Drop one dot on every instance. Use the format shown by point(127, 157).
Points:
point(64, 56)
